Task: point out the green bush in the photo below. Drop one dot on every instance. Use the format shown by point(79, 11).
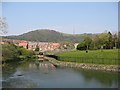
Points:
point(81, 46)
point(12, 52)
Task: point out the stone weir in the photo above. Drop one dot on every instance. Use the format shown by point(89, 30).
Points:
point(113, 68)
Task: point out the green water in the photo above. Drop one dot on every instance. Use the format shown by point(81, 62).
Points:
point(46, 75)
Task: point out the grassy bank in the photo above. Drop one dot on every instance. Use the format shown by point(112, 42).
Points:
point(98, 67)
point(109, 57)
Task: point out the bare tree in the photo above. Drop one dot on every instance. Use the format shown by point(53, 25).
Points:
point(3, 26)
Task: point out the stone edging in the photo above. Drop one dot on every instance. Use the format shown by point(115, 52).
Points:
point(114, 68)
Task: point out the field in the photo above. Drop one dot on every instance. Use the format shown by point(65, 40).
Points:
point(93, 56)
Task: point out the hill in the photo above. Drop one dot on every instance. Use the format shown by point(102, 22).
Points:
point(46, 35)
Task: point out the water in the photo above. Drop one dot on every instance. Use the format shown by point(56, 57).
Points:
point(46, 75)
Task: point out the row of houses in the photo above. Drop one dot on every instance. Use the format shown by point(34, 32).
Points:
point(31, 45)
point(43, 46)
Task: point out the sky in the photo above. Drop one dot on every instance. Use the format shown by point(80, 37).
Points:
point(60, 0)
point(66, 17)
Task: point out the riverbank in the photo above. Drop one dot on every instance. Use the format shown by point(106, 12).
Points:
point(106, 57)
point(102, 67)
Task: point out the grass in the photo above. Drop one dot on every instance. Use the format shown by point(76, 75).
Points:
point(93, 56)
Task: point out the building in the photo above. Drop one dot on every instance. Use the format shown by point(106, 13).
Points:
point(43, 46)
point(23, 44)
point(2, 42)
point(31, 45)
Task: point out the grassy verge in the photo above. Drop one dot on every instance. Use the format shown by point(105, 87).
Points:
point(109, 57)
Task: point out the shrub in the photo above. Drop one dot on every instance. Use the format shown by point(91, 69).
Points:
point(81, 46)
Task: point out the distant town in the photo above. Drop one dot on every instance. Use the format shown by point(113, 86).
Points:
point(32, 45)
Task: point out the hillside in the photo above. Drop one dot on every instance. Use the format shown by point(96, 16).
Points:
point(45, 35)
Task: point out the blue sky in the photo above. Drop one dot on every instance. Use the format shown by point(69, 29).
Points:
point(87, 17)
point(0, 9)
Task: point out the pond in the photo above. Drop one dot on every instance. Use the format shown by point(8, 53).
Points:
point(46, 75)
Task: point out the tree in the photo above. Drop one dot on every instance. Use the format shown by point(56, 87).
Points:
point(37, 48)
point(104, 39)
point(96, 42)
point(110, 39)
point(81, 46)
point(115, 40)
point(3, 25)
point(87, 41)
point(9, 52)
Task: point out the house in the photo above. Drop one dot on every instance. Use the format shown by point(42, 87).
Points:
point(23, 44)
point(32, 45)
point(43, 46)
point(2, 42)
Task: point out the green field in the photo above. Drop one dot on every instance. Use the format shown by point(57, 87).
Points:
point(93, 56)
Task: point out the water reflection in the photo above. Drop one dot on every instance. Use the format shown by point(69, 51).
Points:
point(9, 69)
point(44, 65)
point(45, 74)
point(107, 79)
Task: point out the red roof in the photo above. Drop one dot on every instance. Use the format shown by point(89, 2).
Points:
point(23, 44)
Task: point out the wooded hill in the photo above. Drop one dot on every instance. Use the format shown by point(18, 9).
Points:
point(46, 35)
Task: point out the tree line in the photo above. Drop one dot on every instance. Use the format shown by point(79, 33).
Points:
point(11, 52)
point(105, 40)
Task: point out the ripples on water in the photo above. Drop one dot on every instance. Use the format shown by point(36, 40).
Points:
point(46, 75)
